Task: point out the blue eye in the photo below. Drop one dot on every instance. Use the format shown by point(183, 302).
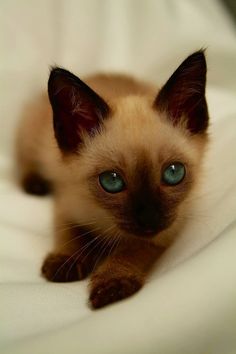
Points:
point(111, 182)
point(173, 174)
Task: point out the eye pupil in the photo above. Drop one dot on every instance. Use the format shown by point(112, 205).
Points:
point(173, 174)
point(111, 182)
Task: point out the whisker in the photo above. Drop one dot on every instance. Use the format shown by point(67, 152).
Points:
point(99, 242)
point(83, 249)
point(73, 226)
point(115, 242)
point(62, 265)
point(89, 232)
point(80, 236)
point(80, 254)
point(77, 254)
point(94, 247)
point(103, 249)
point(119, 238)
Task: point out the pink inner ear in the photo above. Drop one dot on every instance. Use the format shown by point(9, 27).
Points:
point(65, 121)
point(75, 113)
point(190, 104)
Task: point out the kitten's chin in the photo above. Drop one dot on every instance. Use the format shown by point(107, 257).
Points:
point(147, 233)
point(135, 232)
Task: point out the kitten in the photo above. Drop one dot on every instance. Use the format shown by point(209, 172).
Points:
point(122, 160)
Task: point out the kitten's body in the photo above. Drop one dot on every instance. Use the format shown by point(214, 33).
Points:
point(136, 140)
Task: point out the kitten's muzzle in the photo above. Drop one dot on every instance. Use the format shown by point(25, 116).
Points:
point(147, 219)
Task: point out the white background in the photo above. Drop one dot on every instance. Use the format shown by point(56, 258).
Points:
point(189, 304)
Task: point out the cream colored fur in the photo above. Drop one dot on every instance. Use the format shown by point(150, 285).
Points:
point(135, 129)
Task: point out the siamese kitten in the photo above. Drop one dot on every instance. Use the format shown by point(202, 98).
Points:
point(121, 158)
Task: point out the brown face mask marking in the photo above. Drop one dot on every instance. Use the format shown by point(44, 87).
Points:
point(146, 208)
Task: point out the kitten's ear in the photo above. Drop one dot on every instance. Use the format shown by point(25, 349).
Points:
point(183, 96)
point(76, 109)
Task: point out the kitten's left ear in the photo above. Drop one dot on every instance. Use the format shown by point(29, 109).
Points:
point(77, 109)
point(183, 96)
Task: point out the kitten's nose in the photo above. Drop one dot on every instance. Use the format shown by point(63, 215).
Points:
point(147, 218)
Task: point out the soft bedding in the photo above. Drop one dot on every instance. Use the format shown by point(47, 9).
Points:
point(188, 305)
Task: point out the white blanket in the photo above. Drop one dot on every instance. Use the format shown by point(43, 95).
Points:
point(189, 304)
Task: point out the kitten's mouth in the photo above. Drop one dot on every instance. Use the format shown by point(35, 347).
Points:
point(139, 232)
point(147, 231)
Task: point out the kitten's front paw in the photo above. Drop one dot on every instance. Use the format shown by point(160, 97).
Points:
point(63, 268)
point(107, 291)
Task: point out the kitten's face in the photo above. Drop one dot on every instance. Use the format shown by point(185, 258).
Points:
point(140, 169)
point(135, 159)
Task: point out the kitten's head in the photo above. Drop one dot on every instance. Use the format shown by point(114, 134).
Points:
point(134, 159)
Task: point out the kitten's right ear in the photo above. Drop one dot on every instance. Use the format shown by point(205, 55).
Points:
point(76, 109)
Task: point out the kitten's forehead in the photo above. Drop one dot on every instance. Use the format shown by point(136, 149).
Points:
point(138, 137)
point(139, 131)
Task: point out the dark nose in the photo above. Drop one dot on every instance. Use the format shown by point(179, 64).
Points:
point(147, 218)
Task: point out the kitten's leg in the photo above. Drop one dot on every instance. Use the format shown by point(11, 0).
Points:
point(74, 256)
point(33, 183)
point(29, 172)
point(123, 273)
